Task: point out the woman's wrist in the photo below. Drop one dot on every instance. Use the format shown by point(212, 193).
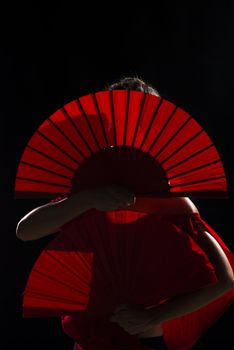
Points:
point(83, 199)
point(185, 303)
point(154, 315)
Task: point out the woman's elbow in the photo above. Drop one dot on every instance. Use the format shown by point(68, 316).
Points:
point(21, 231)
point(229, 283)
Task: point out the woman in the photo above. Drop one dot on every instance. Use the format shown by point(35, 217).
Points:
point(146, 324)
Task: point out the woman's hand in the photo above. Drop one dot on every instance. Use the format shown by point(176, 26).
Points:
point(108, 198)
point(134, 319)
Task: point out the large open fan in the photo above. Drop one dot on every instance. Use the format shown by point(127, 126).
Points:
point(121, 137)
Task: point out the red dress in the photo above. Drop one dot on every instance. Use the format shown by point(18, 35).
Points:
point(150, 258)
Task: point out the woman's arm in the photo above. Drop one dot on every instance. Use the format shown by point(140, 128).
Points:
point(48, 218)
point(189, 302)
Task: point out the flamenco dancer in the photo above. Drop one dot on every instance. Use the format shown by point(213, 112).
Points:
point(176, 323)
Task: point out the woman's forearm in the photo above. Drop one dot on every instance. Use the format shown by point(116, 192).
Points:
point(47, 218)
point(189, 302)
point(216, 256)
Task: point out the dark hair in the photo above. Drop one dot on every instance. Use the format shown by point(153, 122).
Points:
point(133, 83)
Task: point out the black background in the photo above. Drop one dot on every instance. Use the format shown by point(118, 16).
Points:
point(53, 52)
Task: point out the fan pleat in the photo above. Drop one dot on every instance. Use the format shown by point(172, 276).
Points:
point(105, 106)
point(161, 132)
point(163, 113)
point(120, 104)
point(204, 153)
point(45, 157)
point(113, 117)
point(74, 159)
point(113, 246)
point(180, 152)
point(172, 129)
point(59, 127)
point(25, 184)
point(103, 267)
point(133, 260)
point(35, 297)
point(46, 170)
point(88, 109)
point(75, 133)
point(56, 137)
point(138, 120)
point(148, 119)
point(103, 262)
point(136, 104)
point(172, 136)
point(180, 182)
point(207, 167)
point(40, 143)
point(34, 184)
point(126, 119)
point(59, 283)
point(74, 109)
point(79, 275)
point(39, 174)
point(30, 154)
point(71, 244)
point(200, 186)
point(101, 119)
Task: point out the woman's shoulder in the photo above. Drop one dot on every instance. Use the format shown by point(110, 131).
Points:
point(186, 205)
point(177, 205)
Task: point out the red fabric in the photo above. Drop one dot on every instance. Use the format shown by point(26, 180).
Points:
point(180, 231)
point(108, 258)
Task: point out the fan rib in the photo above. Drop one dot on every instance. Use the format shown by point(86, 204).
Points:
point(100, 117)
point(163, 128)
point(36, 295)
point(43, 182)
point(126, 118)
point(189, 157)
point(113, 116)
point(151, 122)
point(45, 169)
point(51, 158)
point(77, 130)
point(67, 138)
point(138, 119)
point(194, 169)
point(65, 266)
point(64, 239)
point(58, 147)
point(198, 181)
point(103, 260)
point(59, 281)
point(182, 146)
point(88, 123)
point(172, 137)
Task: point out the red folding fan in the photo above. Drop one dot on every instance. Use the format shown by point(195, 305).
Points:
point(120, 137)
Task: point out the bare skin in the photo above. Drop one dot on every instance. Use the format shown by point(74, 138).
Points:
point(48, 218)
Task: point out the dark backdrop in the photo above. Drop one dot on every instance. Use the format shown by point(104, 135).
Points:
point(54, 52)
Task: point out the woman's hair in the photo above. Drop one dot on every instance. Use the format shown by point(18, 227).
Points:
point(133, 83)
